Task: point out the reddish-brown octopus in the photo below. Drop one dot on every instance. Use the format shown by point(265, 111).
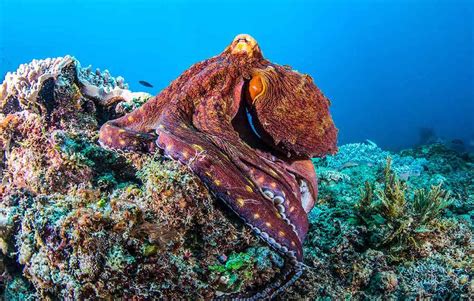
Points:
point(247, 128)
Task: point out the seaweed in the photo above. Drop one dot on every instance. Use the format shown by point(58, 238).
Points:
point(237, 269)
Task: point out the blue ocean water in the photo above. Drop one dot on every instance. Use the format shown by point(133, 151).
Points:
point(389, 67)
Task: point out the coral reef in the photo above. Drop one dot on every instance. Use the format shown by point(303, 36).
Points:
point(395, 222)
point(78, 221)
point(378, 232)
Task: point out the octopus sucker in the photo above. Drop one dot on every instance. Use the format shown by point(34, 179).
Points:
point(269, 194)
point(248, 129)
point(278, 200)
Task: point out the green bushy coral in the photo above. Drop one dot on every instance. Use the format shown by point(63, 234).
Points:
point(393, 220)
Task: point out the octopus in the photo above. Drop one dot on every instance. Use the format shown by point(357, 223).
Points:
point(248, 129)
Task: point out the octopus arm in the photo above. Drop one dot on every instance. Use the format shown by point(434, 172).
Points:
point(274, 183)
point(181, 141)
point(134, 131)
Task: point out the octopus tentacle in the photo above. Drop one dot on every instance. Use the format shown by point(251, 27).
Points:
point(219, 172)
point(114, 136)
point(289, 276)
point(286, 201)
point(134, 131)
point(273, 182)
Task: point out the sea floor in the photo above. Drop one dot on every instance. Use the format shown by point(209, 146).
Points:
point(78, 221)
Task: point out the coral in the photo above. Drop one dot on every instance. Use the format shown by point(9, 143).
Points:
point(18, 289)
point(428, 205)
point(369, 154)
point(395, 222)
point(31, 86)
point(344, 246)
point(147, 242)
point(21, 89)
point(431, 277)
point(333, 176)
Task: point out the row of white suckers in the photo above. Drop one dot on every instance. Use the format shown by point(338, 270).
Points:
point(278, 203)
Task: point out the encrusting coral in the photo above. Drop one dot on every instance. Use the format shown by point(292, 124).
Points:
point(78, 221)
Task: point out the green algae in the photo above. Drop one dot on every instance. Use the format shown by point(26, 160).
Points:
point(237, 268)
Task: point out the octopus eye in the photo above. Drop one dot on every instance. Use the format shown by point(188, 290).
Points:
point(256, 87)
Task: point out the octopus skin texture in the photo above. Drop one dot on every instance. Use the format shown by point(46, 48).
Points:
point(247, 128)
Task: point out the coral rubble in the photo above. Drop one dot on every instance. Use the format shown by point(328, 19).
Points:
point(79, 221)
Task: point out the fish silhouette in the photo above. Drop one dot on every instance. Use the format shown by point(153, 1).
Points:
point(146, 84)
point(457, 141)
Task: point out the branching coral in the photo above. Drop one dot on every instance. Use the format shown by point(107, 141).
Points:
point(429, 204)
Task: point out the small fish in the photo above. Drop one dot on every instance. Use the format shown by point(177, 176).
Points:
point(457, 141)
point(146, 84)
point(348, 165)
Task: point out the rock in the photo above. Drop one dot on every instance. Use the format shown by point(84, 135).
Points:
point(385, 281)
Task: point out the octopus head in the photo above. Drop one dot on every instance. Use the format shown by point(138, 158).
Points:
point(290, 113)
point(286, 111)
point(244, 44)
